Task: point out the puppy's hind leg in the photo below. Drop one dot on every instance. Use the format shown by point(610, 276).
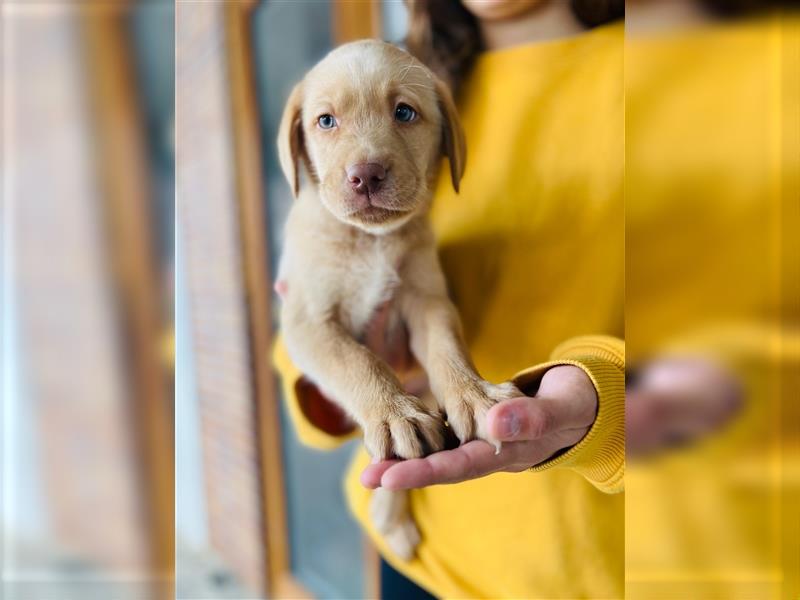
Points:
point(389, 511)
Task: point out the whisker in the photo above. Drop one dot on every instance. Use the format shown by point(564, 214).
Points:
point(420, 85)
point(410, 66)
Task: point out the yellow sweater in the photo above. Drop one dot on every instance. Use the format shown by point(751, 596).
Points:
point(713, 268)
point(533, 251)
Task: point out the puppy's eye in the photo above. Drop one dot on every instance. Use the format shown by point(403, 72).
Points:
point(404, 113)
point(326, 121)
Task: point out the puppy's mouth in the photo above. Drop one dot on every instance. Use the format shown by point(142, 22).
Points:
point(375, 208)
point(373, 214)
point(393, 203)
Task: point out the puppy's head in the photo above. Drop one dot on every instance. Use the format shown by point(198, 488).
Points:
point(370, 123)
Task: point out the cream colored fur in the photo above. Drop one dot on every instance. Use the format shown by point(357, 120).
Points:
point(342, 260)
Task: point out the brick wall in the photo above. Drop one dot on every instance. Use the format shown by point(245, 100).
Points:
point(207, 216)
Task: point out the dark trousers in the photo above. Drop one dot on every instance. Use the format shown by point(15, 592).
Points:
point(395, 586)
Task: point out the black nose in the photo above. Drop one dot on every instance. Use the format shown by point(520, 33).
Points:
point(366, 178)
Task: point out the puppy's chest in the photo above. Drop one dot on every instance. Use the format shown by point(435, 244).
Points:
point(372, 279)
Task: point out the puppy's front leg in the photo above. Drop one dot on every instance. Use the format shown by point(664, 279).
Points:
point(435, 335)
point(394, 423)
point(436, 341)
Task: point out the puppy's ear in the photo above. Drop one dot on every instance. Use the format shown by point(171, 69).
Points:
point(454, 144)
point(290, 138)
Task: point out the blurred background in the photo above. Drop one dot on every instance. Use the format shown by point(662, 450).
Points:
point(87, 413)
point(128, 273)
point(712, 145)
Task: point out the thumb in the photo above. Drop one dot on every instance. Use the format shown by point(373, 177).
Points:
point(520, 419)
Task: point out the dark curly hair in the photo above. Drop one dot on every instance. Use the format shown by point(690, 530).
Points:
point(445, 35)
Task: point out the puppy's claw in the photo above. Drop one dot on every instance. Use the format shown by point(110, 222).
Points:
point(409, 430)
point(469, 405)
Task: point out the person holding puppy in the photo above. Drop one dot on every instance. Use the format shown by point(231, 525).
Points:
point(532, 248)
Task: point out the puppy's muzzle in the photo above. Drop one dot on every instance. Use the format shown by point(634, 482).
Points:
point(366, 178)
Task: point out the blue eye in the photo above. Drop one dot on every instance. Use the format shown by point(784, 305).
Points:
point(327, 121)
point(404, 113)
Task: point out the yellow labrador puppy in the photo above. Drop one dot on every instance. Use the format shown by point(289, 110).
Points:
point(368, 125)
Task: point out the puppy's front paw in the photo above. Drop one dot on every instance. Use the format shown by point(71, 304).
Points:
point(403, 427)
point(467, 405)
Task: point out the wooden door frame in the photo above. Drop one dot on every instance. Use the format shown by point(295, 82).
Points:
point(127, 208)
point(250, 196)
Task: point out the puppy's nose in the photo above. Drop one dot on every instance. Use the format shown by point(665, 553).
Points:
point(366, 178)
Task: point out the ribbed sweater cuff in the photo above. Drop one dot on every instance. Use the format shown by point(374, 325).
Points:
point(600, 455)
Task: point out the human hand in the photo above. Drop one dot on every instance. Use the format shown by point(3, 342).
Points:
point(673, 401)
point(532, 428)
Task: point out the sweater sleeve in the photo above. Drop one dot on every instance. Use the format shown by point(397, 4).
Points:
point(319, 422)
point(600, 455)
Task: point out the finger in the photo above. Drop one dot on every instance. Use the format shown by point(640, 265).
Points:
point(521, 419)
point(525, 418)
point(472, 460)
point(371, 475)
point(572, 393)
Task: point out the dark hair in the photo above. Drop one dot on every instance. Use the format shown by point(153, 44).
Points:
point(446, 37)
point(742, 8)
